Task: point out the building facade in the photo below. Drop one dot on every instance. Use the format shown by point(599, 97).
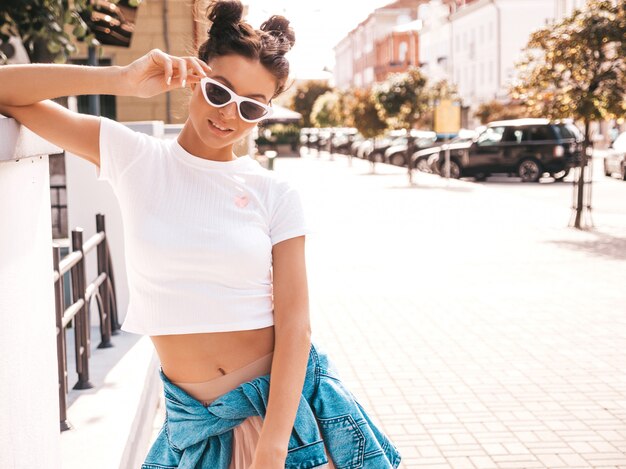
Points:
point(373, 46)
point(397, 51)
point(476, 45)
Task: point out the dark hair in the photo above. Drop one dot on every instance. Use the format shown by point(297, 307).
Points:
point(228, 34)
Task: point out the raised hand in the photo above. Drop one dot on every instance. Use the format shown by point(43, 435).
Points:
point(157, 72)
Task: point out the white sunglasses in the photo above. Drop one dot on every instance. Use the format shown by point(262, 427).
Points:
point(218, 95)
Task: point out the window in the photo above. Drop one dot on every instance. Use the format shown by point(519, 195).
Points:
point(538, 133)
point(565, 131)
point(491, 136)
point(402, 51)
point(513, 135)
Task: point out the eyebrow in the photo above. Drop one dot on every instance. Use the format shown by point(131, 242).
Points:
point(230, 85)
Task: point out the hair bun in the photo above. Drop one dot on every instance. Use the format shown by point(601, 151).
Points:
point(224, 13)
point(278, 26)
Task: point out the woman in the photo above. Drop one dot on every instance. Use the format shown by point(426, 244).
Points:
point(214, 254)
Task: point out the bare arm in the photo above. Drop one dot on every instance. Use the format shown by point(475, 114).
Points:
point(28, 84)
point(291, 351)
point(26, 89)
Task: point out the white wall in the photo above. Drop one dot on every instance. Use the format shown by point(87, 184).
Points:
point(434, 41)
point(487, 39)
point(29, 407)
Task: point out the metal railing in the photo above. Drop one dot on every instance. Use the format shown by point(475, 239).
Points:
point(77, 313)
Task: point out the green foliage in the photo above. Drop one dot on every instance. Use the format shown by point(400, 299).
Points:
point(327, 111)
point(279, 134)
point(304, 98)
point(577, 68)
point(403, 98)
point(495, 111)
point(366, 116)
point(41, 26)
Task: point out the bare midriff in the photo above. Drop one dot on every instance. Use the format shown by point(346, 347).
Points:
point(193, 358)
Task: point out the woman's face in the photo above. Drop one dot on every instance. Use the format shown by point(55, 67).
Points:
point(244, 76)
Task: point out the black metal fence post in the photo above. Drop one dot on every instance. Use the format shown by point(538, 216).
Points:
point(81, 322)
point(61, 350)
point(105, 311)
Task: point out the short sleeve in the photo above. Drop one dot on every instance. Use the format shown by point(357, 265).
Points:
point(120, 146)
point(288, 218)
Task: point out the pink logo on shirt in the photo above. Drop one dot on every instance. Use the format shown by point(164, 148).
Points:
point(241, 201)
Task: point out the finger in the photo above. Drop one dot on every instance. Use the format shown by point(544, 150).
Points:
point(205, 66)
point(182, 70)
point(164, 61)
point(196, 66)
point(169, 71)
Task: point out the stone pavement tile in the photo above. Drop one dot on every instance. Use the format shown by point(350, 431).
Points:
point(462, 462)
point(481, 313)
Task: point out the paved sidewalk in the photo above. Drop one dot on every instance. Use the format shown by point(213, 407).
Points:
point(476, 328)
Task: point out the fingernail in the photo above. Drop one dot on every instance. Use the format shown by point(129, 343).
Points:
point(184, 81)
point(169, 81)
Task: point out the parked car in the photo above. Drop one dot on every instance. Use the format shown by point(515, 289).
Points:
point(427, 160)
point(424, 158)
point(380, 145)
point(342, 139)
point(397, 154)
point(527, 148)
point(615, 160)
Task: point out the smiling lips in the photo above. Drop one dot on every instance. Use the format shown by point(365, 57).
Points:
point(218, 129)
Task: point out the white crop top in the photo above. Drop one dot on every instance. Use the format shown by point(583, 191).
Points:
point(198, 233)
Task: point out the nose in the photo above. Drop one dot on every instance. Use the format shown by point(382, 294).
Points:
point(229, 111)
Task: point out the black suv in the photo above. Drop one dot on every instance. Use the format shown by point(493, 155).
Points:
point(527, 148)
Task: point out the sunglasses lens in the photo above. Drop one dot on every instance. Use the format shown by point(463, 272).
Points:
point(251, 111)
point(216, 94)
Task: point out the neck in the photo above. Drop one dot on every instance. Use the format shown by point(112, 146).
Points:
point(191, 142)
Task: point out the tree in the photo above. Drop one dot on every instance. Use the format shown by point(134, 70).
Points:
point(496, 110)
point(326, 110)
point(40, 24)
point(403, 98)
point(366, 116)
point(577, 68)
point(305, 96)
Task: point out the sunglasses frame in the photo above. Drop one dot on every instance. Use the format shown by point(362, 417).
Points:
point(236, 98)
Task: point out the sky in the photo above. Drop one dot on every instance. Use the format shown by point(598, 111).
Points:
point(318, 25)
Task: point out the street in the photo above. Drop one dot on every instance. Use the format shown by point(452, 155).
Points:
point(473, 325)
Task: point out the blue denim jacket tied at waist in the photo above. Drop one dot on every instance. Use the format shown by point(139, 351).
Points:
point(195, 436)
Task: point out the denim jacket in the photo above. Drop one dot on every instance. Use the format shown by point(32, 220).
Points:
point(195, 436)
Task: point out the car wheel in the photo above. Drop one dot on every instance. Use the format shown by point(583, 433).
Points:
point(560, 175)
point(529, 170)
point(397, 159)
point(376, 157)
point(455, 170)
point(624, 171)
point(422, 165)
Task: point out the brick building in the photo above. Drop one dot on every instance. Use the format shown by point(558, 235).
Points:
point(375, 45)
